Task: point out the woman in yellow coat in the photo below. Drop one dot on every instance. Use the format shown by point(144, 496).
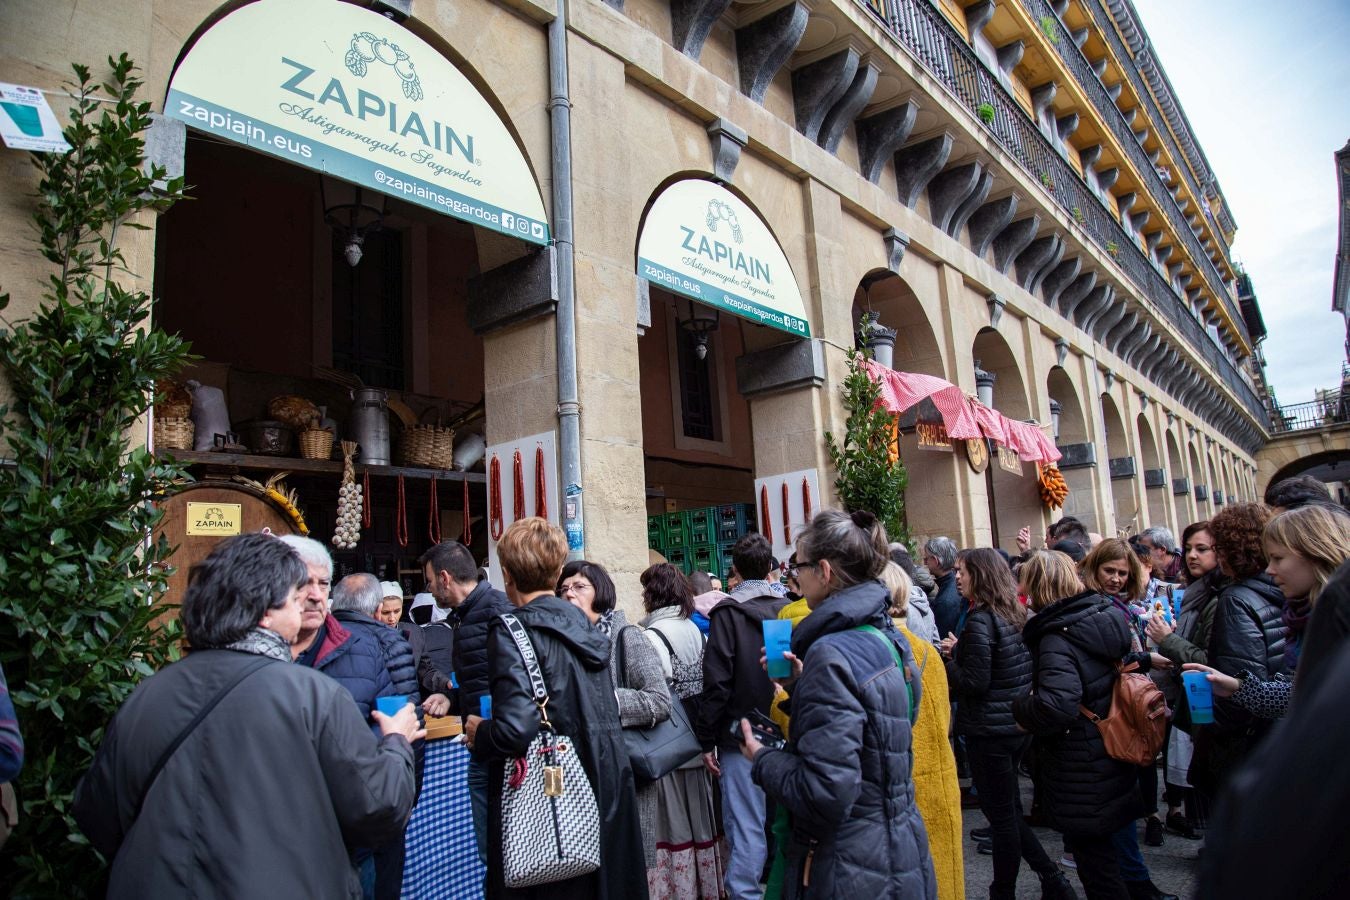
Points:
point(936, 790)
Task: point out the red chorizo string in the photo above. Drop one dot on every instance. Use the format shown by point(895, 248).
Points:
point(540, 495)
point(495, 524)
point(434, 514)
point(401, 516)
point(806, 499)
point(517, 489)
point(787, 517)
point(765, 522)
point(466, 530)
point(365, 501)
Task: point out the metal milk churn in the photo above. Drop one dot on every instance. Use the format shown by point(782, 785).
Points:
point(370, 425)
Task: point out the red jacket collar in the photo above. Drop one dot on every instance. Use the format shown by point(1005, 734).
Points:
point(334, 636)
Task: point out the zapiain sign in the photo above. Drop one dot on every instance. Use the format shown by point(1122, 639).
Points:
point(345, 91)
point(702, 241)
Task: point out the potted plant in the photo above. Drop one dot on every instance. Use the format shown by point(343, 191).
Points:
point(1113, 248)
point(1047, 182)
point(1078, 215)
point(1049, 30)
point(986, 112)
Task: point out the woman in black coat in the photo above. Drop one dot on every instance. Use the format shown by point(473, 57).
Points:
point(845, 782)
point(1248, 636)
point(573, 658)
point(988, 669)
point(1076, 638)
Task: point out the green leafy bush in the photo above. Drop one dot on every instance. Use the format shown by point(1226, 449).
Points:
point(868, 478)
point(79, 575)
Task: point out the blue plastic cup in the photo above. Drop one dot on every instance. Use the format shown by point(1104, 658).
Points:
point(777, 641)
point(485, 706)
point(1199, 697)
point(391, 705)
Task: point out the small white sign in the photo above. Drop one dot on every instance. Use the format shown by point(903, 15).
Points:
point(792, 499)
point(27, 121)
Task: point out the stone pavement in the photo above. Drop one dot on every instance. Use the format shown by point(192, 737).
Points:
point(1173, 865)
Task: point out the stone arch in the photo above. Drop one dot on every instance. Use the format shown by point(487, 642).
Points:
point(1150, 461)
point(1014, 499)
point(1176, 470)
point(1125, 511)
point(1073, 432)
point(932, 498)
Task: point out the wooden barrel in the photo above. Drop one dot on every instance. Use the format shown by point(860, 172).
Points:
point(204, 513)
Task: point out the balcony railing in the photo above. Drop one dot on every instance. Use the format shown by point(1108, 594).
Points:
point(1082, 71)
point(927, 35)
point(1332, 410)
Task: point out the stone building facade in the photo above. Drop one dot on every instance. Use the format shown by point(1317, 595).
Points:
point(1011, 183)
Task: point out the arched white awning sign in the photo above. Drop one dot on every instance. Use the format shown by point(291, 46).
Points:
point(345, 91)
point(702, 241)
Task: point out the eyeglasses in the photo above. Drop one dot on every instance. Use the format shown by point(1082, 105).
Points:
point(796, 570)
point(577, 585)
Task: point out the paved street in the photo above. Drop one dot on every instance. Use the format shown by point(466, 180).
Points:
point(1172, 865)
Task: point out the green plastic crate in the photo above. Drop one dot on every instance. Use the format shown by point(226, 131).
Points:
point(724, 559)
point(678, 557)
point(656, 532)
point(703, 558)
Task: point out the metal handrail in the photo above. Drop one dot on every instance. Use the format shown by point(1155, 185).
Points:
point(927, 35)
point(1333, 409)
point(1088, 78)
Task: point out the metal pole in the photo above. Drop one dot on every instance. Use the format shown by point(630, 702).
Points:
point(569, 406)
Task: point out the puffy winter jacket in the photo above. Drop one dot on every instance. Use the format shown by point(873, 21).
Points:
point(1075, 645)
point(355, 660)
point(990, 669)
point(856, 831)
point(398, 655)
point(919, 618)
point(947, 604)
point(470, 620)
point(1248, 635)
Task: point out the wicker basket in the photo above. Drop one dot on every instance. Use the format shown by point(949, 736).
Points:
point(174, 433)
point(172, 400)
point(316, 443)
point(429, 447)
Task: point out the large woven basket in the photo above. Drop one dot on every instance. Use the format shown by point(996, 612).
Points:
point(316, 443)
point(174, 433)
point(429, 447)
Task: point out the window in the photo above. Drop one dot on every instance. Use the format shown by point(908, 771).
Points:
point(698, 395)
point(368, 311)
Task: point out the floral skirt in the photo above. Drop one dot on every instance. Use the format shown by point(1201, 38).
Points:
point(690, 849)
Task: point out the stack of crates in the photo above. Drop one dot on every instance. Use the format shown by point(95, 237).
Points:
point(700, 540)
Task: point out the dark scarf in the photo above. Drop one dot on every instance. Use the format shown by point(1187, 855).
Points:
point(1296, 614)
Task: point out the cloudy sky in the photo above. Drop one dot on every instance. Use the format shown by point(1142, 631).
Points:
point(1264, 86)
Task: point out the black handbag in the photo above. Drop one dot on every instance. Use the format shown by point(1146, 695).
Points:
point(662, 748)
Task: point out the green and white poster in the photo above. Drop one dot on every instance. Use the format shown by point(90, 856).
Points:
point(702, 241)
point(345, 91)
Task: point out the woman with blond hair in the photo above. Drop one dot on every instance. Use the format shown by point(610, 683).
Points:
point(989, 669)
point(937, 792)
point(1076, 638)
point(574, 659)
point(1303, 548)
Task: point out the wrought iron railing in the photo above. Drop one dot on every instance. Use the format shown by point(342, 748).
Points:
point(1071, 54)
point(1330, 410)
point(927, 35)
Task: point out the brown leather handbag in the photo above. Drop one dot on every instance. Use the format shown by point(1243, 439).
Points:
point(1136, 724)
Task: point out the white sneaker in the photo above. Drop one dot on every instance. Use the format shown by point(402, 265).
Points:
point(1067, 861)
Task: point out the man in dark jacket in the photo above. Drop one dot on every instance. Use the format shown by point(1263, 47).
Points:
point(356, 600)
point(734, 683)
point(939, 555)
point(452, 578)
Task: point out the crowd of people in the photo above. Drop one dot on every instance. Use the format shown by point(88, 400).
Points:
point(270, 762)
